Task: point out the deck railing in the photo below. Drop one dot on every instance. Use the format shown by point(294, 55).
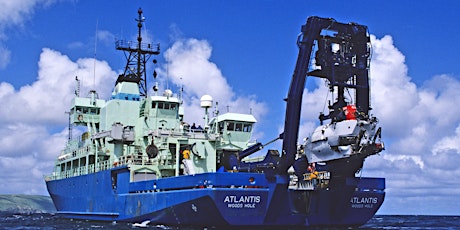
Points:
point(132, 159)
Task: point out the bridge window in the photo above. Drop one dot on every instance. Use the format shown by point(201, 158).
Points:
point(247, 127)
point(238, 126)
point(86, 110)
point(230, 126)
point(164, 105)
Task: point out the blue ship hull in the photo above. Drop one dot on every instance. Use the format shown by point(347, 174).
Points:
point(215, 199)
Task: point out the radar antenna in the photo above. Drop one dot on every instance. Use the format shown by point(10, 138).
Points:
point(137, 54)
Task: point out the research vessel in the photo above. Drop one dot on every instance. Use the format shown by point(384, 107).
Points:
point(139, 161)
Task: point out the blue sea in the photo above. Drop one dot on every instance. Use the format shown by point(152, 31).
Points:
point(50, 221)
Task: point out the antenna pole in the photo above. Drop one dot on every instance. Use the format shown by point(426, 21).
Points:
point(140, 20)
point(70, 127)
point(77, 90)
point(95, 52)
point(137, 55)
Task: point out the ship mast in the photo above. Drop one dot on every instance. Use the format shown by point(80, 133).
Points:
point(137, 54)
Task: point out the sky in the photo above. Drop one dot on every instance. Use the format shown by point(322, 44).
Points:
point(243, 54)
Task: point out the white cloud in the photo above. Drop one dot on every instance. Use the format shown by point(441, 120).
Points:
point(103, 37)
point(313, 102)
point(16, 12)
point(5, 55)
point(18, 138)
point(393, 94)
point(48, 97)
point(448, 144)
point(189, 65)
point(189, 60)
point(76, 45)
point(419, 125)
point(106, 37)
point(13, 14)
point(24, 175)
point(32, 114)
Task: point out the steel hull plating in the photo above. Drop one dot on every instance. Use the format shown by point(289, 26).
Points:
point(214, 199)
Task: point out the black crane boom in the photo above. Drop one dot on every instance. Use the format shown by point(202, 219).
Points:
point(342, 57)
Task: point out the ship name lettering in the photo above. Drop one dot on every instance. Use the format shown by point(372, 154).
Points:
point(364, 200)
point(242, 199)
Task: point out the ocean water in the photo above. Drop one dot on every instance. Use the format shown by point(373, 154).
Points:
point(50, 221)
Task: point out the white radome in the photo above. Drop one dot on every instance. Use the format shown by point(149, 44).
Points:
point(206, 101)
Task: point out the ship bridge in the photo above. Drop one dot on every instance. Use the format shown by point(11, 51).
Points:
point(234, 128)
point(162, 111)
point(85, 109)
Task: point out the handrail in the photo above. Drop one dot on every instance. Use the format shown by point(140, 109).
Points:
point(132, 159)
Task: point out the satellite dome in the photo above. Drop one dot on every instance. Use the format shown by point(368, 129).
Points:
point(168, 93)
point(206, 101)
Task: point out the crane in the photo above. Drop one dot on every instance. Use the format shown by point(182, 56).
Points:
point(342, 56)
